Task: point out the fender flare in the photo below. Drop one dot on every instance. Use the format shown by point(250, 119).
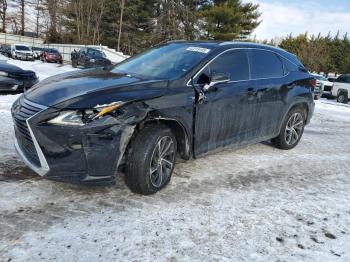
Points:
point(300, 101)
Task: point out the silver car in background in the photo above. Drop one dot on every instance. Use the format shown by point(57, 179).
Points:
point(323, 86)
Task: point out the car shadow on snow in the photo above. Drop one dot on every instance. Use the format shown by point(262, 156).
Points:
point(14, 169)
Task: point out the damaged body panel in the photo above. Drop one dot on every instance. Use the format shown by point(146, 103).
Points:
point(81, 126)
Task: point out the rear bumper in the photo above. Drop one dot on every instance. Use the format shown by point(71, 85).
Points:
point(311, 112)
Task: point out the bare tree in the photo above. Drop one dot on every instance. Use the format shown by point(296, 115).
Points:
point(39, 10)
point(3, 10)
point(122, 6)
point(22, 12)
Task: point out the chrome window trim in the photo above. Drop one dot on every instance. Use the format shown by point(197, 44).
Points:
point(44, 166)
point(250, 79)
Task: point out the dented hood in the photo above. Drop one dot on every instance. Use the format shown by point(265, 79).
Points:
point(86, 88)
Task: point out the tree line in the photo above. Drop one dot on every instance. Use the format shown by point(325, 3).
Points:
point(130, 25)
point(326, 54)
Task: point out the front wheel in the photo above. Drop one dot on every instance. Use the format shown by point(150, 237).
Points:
point(291, 130)
point(151, 160)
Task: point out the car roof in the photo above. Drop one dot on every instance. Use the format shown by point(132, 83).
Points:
point(95, 49)
point(242, 44)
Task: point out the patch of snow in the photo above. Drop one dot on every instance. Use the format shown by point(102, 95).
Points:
point(43, 70)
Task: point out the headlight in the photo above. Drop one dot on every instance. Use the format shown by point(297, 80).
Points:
point(2, 73)
point(92, 60)
point(82, 117)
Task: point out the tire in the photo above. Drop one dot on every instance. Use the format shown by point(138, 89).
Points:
point(317, 97)
point(74, 64)
point(342, 98)
point(142, 158)
point(292, 129)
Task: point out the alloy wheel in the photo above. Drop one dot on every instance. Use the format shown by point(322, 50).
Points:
point(294, 128)
point(341, 98)
point(162, 161)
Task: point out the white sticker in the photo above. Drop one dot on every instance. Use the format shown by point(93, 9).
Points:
point(198, 49)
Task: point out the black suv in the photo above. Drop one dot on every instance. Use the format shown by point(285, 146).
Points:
point(89, 57)
point(181, 98)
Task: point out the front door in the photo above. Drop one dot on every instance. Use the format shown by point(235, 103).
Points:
point(224, 116)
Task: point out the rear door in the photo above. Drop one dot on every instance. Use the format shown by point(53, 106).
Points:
point(224, 116)
point(268, 77)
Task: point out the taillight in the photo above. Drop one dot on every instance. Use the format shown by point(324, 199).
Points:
point(313, 83)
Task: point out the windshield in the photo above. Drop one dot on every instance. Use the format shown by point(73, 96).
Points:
point(96, 53)
point(165, 62)
point(52, 51)
point(22, 48)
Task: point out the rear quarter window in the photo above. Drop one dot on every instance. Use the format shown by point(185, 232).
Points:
point(265, 64)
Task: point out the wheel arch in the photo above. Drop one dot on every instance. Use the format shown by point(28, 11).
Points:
point(303, 104)
point(342, 90)
point(182, 137)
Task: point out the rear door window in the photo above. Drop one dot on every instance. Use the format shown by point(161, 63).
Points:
point(265, 64)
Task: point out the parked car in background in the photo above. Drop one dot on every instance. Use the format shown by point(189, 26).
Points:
point(13, 78)
point(323, 86)
point(181, 98)
point(36, 52)
point(341, 89)
point(51, 55)
point(22, 52)
point(5, 50)
point(332, 79)
point(89, 57)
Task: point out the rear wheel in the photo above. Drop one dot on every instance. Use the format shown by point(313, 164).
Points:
point(292, 129)
point(342, 98)
point(151, 160)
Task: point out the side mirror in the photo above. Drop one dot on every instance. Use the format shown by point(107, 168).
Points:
point(216, 78)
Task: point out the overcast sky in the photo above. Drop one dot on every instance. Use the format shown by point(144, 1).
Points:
point(279, 18)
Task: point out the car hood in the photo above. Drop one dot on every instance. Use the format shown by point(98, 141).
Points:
point(87, 88)
point(10, 68)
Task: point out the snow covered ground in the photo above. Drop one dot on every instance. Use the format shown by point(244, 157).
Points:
point(257, 203)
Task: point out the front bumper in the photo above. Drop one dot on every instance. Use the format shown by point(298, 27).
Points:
point(54, 59)
point(90, 154)
point(24, 56)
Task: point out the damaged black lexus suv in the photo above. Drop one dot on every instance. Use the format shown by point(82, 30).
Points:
point(179, 99)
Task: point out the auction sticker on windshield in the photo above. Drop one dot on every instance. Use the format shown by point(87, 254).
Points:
point(198, 49)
